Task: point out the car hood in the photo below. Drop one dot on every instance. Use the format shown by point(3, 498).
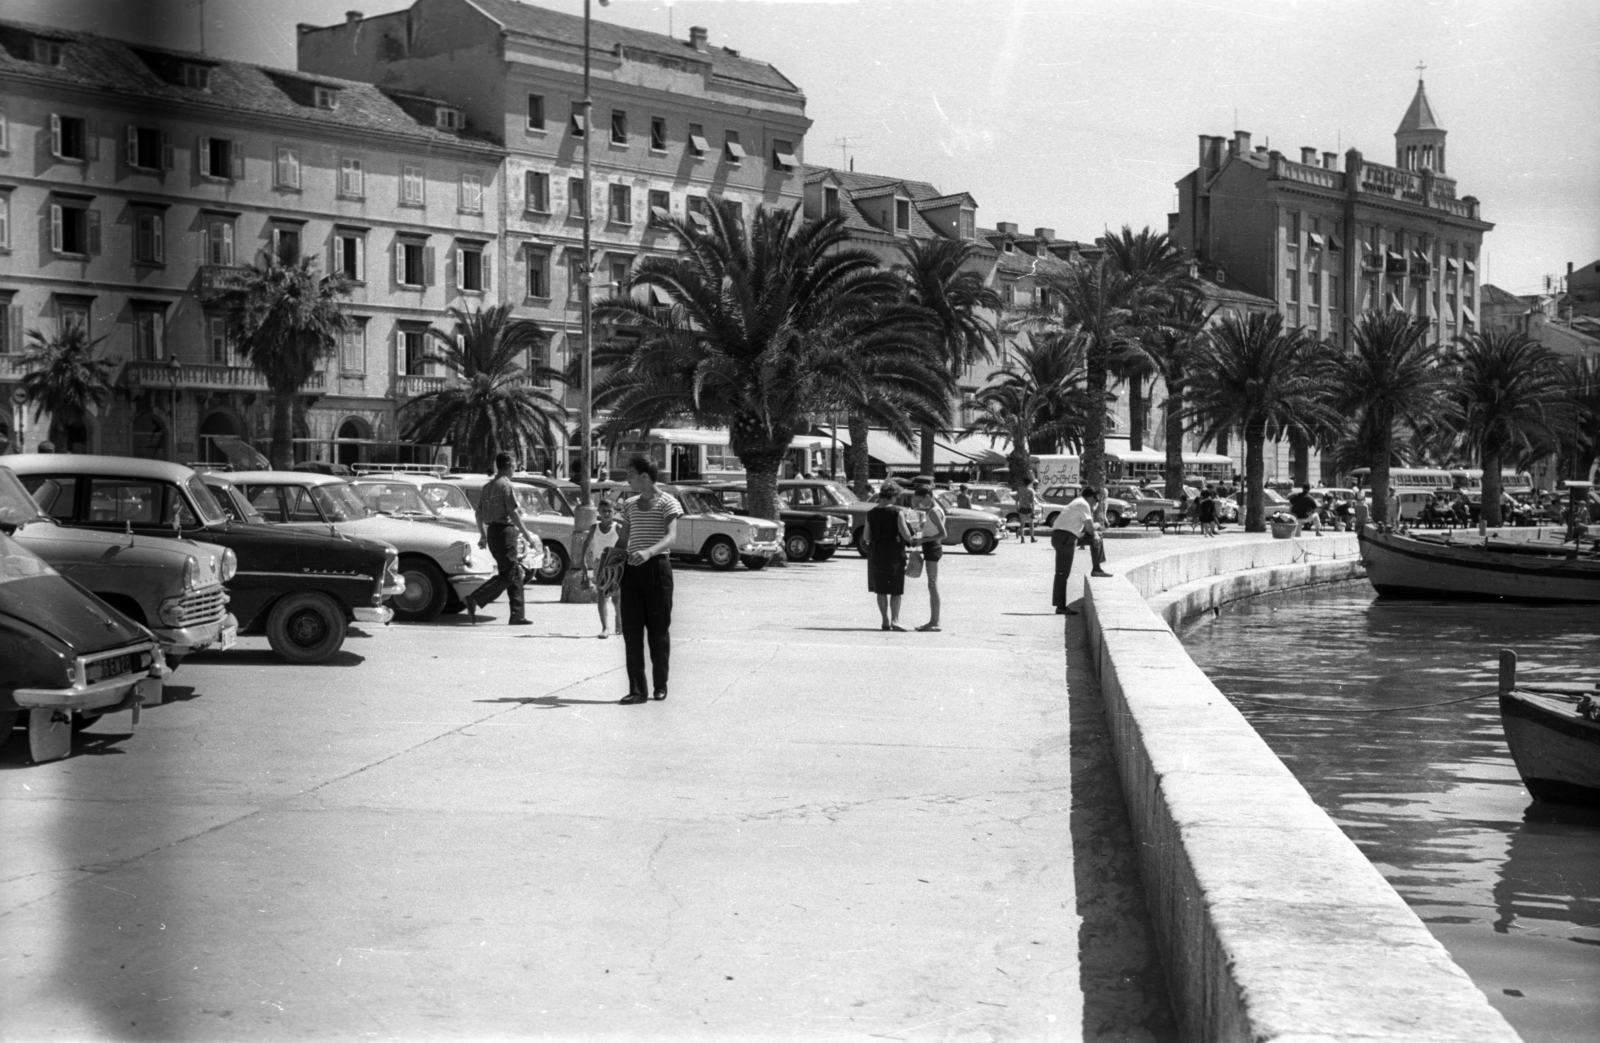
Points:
point(269, 548)
point(405, 533)
point(59, 545)
point(966, 515)
point(67, 613)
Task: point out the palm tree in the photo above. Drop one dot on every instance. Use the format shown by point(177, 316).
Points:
point(1170, 349)
point(763, 330)
point(1509, 394)
point(1037, 402)
point(65, 378)
point(497, 403)
point(1391, 375)
point(287, 320)
point(936, 281)
point(1160, 271)
point(1254, 375)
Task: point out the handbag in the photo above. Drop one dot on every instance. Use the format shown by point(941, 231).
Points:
point(914, 563)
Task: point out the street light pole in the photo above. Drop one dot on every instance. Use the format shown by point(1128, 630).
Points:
point(174, 373)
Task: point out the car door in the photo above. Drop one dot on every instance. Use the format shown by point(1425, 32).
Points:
point(268, 499)
point(300, 507)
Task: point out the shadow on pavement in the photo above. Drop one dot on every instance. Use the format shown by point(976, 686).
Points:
point(1119, 966)
point(267, 657)
point(845, 630)
point(550, 702)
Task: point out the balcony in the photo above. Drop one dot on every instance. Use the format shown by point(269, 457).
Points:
point(11, 367)
point(204, 377)
point(215, 277)
point(410, 386)
point(1309, 174)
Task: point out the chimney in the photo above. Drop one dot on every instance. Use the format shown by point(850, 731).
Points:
point(352, 17)
point(697, 37)
point(1241, 142)
point(1330, 161)
point(1047, 234)
point(1006, 227)
point(1569, 269)
point(1308, 156)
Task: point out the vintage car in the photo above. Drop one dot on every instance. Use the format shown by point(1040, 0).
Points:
point(66, 657)
point(542, 517)
point(1058, 496)
point(398, 494)
point(439, 564)
point(827, 497)
point(977, 531)
point(299, 588)
point(807, 535)
point(173, 587)
point(708, 533)
point(997, 500)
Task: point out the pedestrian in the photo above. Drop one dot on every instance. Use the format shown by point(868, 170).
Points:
point(649, 528)
point(886, 535)
point(1207, 513)
point(1075, 523)
point(1027, 501)
point(602, 555)
point(964, 499)
point(1304, 508)
point(499, 523)
point(932, 536)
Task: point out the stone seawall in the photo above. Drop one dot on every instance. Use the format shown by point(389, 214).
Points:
point(1273, 924)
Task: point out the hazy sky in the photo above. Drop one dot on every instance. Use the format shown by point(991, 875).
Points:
point(1080, 116)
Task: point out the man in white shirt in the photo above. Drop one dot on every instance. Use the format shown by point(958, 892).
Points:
point(1075, 522)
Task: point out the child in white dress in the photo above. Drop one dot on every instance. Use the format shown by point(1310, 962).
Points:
point(607, 568)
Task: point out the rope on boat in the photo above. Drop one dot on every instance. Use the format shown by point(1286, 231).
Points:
point(1302, 708)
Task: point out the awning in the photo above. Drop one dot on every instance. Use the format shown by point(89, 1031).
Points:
point(735, 150)
point(699, 143)
point(1451, 264)
point(887, 450)
point(1334, 242)
point(1396, 303)
point(717, 436)
point(660, 214)
point(980, 449)
point(1468, 314)
point(1469, 267)
point(785, 160)
point(1314, 239)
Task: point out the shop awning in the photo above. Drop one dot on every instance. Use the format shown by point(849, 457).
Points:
point(980, 449)
point(717, 436)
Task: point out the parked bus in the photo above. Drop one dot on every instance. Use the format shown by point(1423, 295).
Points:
point(1414, 479)
point(1517, 483)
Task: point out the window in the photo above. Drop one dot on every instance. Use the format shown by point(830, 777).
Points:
point(218, 344)
point(538, 273)
point(216, 243)
point(446, 118)
point(1291, 283)
point(698, 207)
point(353, 348)
point(537, 191)
point(698, 145)
point(148, 149)
point(783, 157)
point(325, 97)
point(658, 134)
point(621, 212)
point(538, 362)
point(1008, 292)
point(73, 312)
point(220, 158)
point(286, 242)
point(902, 215)
point(578, 126)
point(413, 262)
point(197, 77)
point(413, 349)
point(70, 138)
point(619, 275)
point(1334, 300)
point(10, 324)
point(830, 201)
point(147, 333)
point(575, 194)
point(1316, 289)
point(472, 269)
point(5, 132)
point(472, 193)
point(536, 112)
point(350, 255)
point(74, 229)
point(574, 274)
point(352, 183)
point(46, 52)
point(149, 237)
point(660, 207)
point(286, 169)
point(731, 147)
point(5, 220)
point(968, 224)
point(411, 182)
point(619, 127)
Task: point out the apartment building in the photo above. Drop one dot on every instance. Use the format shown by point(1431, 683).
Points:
point(134, 180)
point(676, 123)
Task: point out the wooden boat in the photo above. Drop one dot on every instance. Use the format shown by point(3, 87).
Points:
point(1554, 735)
point(1450, 565)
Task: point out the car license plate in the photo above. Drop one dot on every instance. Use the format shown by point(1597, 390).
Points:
point(228, 638)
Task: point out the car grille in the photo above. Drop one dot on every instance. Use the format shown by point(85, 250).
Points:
point(204, 606)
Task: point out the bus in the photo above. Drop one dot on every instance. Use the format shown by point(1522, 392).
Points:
point(1054, 469)
point(1517, 483)
point(1409, 479)
point(1149, 467)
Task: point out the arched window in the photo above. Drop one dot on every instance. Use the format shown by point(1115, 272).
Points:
point(349, 453)
point(217, 425)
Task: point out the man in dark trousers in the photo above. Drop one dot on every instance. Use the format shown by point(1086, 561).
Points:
point(649, 527)
point(1304, 508)
point(499, 521)
point(1073, 523)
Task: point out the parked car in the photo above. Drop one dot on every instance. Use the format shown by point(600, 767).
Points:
point(977, 531)
point(708, 533)
point(997, 500)
point(299, 588)
point(1118, 513)
point(66, 657)
point(828, 497)
point(439, 564)
point(172, 587)
point(807, 535)
point(416, 496)
point(542, 518)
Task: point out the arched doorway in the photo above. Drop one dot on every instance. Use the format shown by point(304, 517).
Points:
point(6, 444)
point(150, 439)
point(347, 453)
point(217, 424)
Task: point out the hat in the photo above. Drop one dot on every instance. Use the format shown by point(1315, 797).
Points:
point(922, 481)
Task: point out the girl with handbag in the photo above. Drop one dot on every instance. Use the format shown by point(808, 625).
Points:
point(932, 549)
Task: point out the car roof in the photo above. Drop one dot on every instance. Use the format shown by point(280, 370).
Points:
point(85, 463)
point(284, 478)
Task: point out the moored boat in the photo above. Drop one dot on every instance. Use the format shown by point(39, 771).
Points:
point(1450, 565)
point(1553, 732)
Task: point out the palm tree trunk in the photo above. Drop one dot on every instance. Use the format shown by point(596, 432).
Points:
point(927, 451)
point(1094, 427)
point(1255, 476)
point(761, 466)
point(1489, 459)
point(1299, 456)
point(1174, 420)
point(1135, 412)
point(283, 430)
point(856, 464)
point(1380, 474)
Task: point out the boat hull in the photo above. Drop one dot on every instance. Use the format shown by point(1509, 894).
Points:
point(1557, 752)
point(1401, 566)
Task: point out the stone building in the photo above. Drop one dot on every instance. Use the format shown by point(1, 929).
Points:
point(134, 179)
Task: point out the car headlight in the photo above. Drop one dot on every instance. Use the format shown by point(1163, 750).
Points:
point(463, 553)
point(191, 572)
point(230, 564)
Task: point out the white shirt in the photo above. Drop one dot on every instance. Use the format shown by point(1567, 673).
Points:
point(1075, 517)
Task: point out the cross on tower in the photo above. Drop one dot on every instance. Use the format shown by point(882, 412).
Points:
point(1420, 69)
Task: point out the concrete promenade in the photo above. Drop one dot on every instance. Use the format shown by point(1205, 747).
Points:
point(827, 831)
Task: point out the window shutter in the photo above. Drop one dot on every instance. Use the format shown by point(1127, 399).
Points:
point(427, 266)
point(93, 221)
point(361, 258)
point(158, 236)
point(237, 156)
point(14, 317)
point(333, 256)
point(227, 244)
point(166, 151)
point(487, 268)
point(528, 188)
point(55, 227)
point(399, 261)
point(5, 132)
point(91, 130)
point(202, 152)
point(453, 274)
point(133, 145)
point(205, 245)
point(55, 135)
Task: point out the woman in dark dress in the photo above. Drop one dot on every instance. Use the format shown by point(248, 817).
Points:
point(886, 537)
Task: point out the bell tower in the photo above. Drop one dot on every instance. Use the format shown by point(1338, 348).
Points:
point(1419, 141)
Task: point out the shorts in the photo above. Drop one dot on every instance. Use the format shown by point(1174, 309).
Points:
point(932, 550)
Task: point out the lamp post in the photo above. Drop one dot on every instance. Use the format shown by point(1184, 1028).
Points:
point(174, 372)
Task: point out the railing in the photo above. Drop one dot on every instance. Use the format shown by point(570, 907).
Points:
point(1309, 174)
point(1433, 191)
point(190, 375)
point(11, 367)
point(410, 386)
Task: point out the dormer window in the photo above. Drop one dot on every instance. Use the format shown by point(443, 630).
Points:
point(902, 215)
point(325, 97)
point(1010, 247)
point(969, 224)
point(46, 52)
point(446, 118)
point(830, 201)
point(197, 77)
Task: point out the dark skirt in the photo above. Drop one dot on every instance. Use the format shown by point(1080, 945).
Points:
point(886, 568)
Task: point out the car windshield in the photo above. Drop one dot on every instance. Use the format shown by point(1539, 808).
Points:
point(17, 563)
point(732, 499)
point(234, 505)
point(339, 502)
point(696, 502)
point(841, 496)
point(945, 500)
point(550, 500)
point(210, 513)
point(16, 506)
point(439, 495)
point(389, 498)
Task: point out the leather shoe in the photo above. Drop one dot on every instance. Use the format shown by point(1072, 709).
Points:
point(658, 696)
point(472, 612)
point(524, 622)
point(633, 699)
point(1100, 573)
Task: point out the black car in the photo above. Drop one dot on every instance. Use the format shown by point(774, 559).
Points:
point(807, 535)
point(299, 588)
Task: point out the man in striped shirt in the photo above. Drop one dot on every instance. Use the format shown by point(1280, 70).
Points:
point(649, 527)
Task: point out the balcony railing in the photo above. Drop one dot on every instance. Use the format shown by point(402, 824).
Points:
point(214, 277)
point(11, 367)
point(196, 375)
point(410, 386)
point(1309, 174)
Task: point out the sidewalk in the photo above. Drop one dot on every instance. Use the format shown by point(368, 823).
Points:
point(827, 831)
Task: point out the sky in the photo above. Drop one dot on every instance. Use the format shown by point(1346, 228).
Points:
point(1080, 116)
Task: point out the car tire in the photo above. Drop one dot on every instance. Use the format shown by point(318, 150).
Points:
point(1156, 518)
point(822, 553)
point(556, 564)
point(798, 545)
point(720, 553)
point(1114, 519)
point(1050, 520)
point(861, 548)
point(978, 541)
point(307, 627)
point(426, 591)
point(754, 562)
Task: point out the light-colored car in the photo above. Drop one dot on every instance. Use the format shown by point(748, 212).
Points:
point(541, 517)
point(708, 533)
point(977, 531)
point(438, 564)
point(423, 497)
point(173, 587)
point(997, 500)
point(1118, 511)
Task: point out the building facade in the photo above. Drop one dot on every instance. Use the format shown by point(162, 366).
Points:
point(134, 181)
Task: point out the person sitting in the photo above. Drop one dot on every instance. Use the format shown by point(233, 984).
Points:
point(1304, 508)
